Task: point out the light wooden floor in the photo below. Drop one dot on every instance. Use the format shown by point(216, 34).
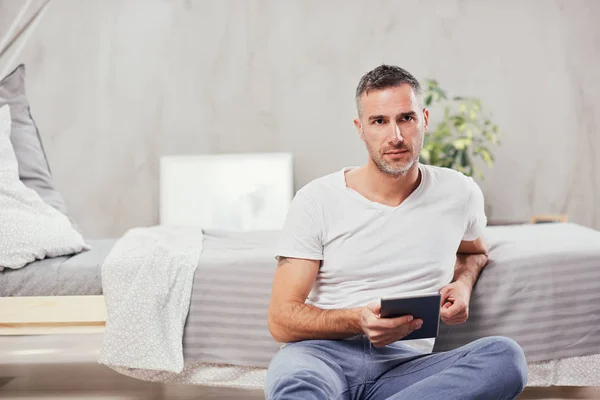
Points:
point(93, 381)
point(96, 382)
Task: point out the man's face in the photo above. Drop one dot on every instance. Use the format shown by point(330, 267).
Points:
point(392, 126)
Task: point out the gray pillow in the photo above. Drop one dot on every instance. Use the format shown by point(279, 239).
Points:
point(31, 229)
point(34, 170)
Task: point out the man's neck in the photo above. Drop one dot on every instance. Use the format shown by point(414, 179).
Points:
point(383, 188)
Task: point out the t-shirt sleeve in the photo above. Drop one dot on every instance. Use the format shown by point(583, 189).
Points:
point(476, 219)
point(301, 235)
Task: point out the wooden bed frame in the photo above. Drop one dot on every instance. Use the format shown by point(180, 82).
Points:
point(45, 315)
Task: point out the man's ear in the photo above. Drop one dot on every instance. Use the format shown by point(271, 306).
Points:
point(426, 119)
point(358, 126)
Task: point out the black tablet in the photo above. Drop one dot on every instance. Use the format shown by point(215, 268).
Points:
point(424, 307)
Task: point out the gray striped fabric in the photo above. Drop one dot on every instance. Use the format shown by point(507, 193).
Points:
point(540, 288)
point(227, 320)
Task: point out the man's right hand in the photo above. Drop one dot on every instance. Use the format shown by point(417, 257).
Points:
point(384, 331)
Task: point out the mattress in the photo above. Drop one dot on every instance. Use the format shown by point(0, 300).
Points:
point(60, 276)
point(227, 320)
point(540, 288)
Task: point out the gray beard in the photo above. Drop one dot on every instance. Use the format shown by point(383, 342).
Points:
point(394, 171)
point(386, 168)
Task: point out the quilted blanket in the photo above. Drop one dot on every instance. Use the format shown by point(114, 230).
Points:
point(147, 283)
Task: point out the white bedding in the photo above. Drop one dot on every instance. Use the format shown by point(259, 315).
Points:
point(147, 282)
point(30, 229)
point(573, 371)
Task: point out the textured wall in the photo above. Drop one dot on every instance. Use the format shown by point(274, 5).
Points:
point(116, 84)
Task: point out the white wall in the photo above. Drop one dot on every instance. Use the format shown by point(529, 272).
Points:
point(116, 84)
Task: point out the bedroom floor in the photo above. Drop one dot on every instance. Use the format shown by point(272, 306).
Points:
point(95, 382)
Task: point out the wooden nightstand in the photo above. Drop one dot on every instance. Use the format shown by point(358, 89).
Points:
point(543, 219)
point(536, 219)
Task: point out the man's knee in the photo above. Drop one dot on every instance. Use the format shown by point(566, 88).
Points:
point(506, 357)
point(294, 374)
point(292, 382)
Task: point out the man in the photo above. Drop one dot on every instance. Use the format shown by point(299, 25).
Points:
point(391, 227)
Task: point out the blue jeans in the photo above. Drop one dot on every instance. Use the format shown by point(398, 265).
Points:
point(490, 368)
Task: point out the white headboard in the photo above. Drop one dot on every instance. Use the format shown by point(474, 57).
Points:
point(239, 192)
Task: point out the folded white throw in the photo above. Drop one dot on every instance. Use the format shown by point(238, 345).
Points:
point(147, 282)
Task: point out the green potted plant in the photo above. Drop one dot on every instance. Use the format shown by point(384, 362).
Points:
point(461, 136)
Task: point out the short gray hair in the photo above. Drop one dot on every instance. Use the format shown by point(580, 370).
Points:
point(383, 77)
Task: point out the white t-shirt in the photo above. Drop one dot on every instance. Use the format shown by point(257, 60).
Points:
point(370, 250)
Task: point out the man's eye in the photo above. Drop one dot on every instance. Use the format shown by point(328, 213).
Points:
point(407, 118)
point(378, 121)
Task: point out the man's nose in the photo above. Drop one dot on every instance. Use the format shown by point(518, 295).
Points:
point(396, 134)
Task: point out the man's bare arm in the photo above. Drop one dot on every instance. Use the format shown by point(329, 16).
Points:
point(471, 258)
point(290, 319)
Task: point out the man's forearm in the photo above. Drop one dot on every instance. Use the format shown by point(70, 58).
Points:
point(468, 267)
point(291, 322)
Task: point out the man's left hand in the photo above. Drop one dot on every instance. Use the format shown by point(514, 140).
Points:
point(455, 303)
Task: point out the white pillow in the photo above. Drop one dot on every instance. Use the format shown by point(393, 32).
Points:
point(30, 229)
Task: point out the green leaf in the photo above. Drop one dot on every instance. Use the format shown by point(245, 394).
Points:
point(487, 157)
point(464, 159)
point(461, 143)
point(462, 132)
point(428, 100)
point(458, 120)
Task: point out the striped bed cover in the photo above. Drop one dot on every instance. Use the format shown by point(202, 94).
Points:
point(539, 288)
point(227, 319)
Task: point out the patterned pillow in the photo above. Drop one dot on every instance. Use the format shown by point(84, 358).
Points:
point(30, 229)
point(34, 170)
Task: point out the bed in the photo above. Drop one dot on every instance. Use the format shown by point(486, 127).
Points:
point(540, 288)
point(536, 274)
